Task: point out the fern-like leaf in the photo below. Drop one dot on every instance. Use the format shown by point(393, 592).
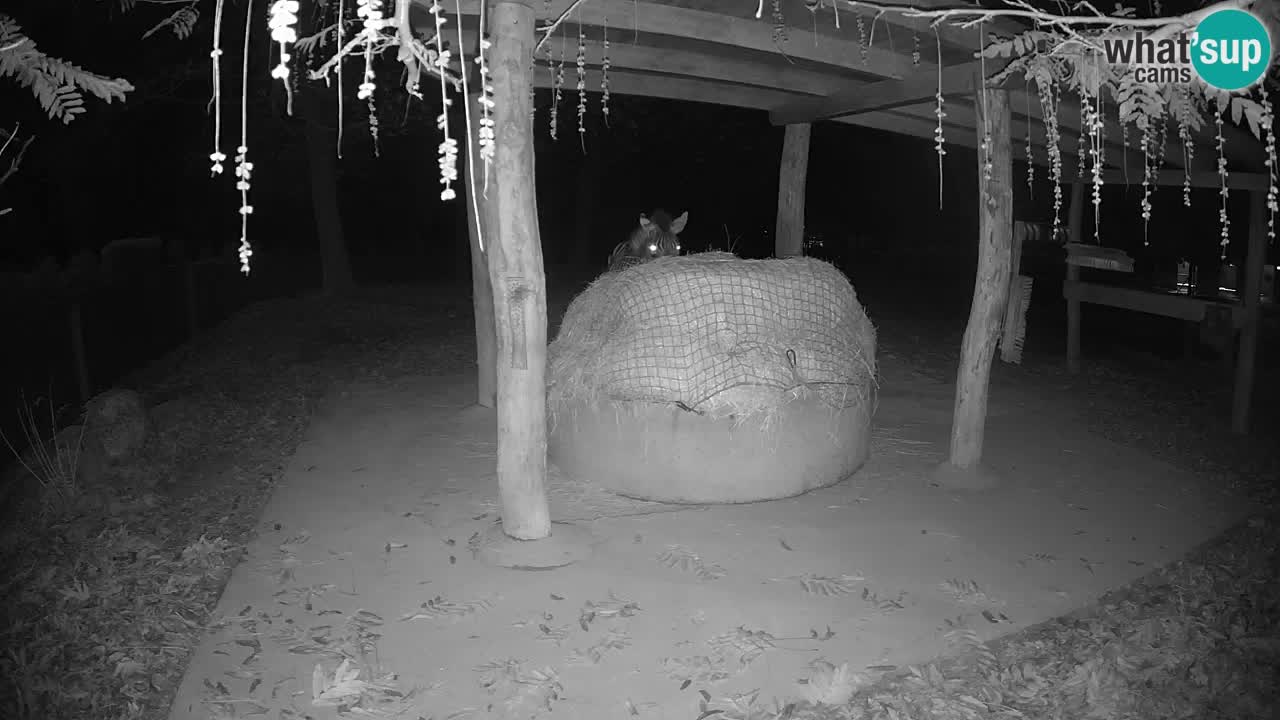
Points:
point(1025, 43)
point(311, 43)
point(183, 22)
point(1251, 110)
point(56, 84)
point(1140, 103)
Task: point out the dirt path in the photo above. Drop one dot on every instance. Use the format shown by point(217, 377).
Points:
point(364, 545)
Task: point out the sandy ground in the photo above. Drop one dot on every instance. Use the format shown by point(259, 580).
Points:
point(368, 547)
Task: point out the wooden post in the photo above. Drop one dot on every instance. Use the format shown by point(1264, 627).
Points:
point(1008, 336)
point(789, 241)
point(77, 350)
point(478, 199)
point(1075, 230)
point(995, 240)
point(518, 281)
point(1247, 357)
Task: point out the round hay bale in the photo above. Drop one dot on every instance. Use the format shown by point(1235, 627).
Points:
point(709, 378)
point(662, 453)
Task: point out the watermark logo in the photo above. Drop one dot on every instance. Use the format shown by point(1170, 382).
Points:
point(1230, 50)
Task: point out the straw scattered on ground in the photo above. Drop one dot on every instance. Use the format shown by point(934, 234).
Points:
point(99, 611)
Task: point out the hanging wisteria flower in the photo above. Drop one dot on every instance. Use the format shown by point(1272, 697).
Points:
point(937, 132)
point(448, 148)
point(1096, 138)
point(371, 11)
point(1268, 117)
point(374, 21)
point(486, 106)
point(557, 87)
point(1224, 192)
point(862, 38)
point(604, 76)
point(1145, 145)
point(217, 157)
point(284, 16)
point(582, 87)
point(244, 175)
point(1031, 164)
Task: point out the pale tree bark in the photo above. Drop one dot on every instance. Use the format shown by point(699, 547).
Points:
point(995, 242)
point(518, 281)
point(792, 175)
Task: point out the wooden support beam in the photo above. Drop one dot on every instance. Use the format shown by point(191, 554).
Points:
point(1246, 359)
point(745, 69)
point(628, 18)
point(518, 281)
point(995, 231)
point(957, 80)
point(481, 226)
point(1075, 231)
point(789, 241)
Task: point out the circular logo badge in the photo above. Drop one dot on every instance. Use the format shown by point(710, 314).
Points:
point(1232, 49)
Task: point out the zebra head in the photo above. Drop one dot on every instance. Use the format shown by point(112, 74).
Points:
point(658, 235)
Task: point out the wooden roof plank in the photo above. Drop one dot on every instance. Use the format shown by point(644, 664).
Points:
point(884, 95)
point(723, 30)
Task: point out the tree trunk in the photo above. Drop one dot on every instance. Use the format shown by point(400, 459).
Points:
point(995, 240)
point(518, 280)
point(322, 159)
point(789, 242)
point(480, 235)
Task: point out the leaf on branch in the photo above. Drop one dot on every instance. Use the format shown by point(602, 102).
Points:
point(1253, 113)
point(307, 45)
point(1021, 44)
point(56, 84)
point(1140, 103)
point(183, 22)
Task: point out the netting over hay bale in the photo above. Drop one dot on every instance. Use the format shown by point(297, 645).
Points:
point(710, 378)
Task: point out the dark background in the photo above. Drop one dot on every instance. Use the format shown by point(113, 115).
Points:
point(141, 169)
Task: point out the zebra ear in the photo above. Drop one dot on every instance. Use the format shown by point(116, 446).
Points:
point(677, 225)
point(644, 222)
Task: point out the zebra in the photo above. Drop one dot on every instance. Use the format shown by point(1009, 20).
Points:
point(657, 236)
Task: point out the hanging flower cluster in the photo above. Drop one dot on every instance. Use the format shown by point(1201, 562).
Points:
point(1031, 166)
point(283, 18)
point(1183, 117)
point(940, 113)
point(557, 88)
point(448, 148)
point(374, 21)
point(486, 106)
point(604, 76)
point(863, 45)
point(582, 88)
point(217, 156)
point(244, 174)
point(1268, 122)
point(1149, 170)
point(1224, 192)
point(244, 168)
